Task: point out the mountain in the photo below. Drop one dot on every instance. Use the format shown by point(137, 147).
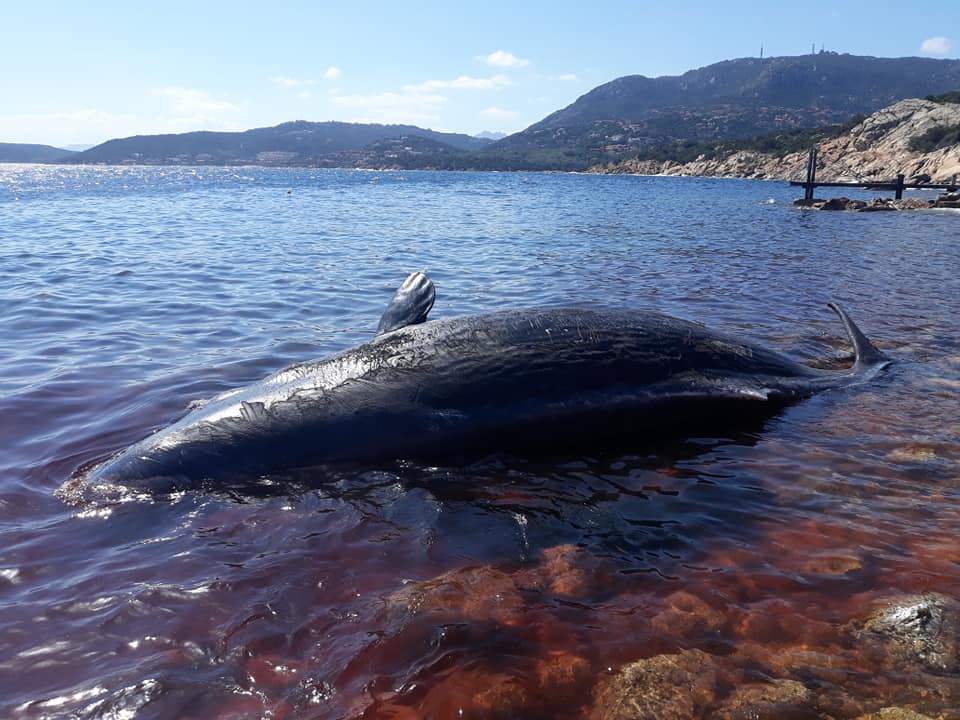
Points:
point(732, 99)
point(27, 153)
point(918, 138)
point(490, 135)
point(291, 143)
point(729, 100)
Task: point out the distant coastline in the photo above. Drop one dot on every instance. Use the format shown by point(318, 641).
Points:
point(750, 117)
point(919, 138)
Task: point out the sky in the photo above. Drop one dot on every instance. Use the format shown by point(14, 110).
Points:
point(84, 72)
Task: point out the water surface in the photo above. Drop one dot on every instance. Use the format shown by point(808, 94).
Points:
point(507, 586)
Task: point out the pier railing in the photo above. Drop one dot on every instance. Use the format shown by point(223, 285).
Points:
point(898, 185)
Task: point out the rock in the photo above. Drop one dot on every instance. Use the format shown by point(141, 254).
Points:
point(570, 571)
point(831, 665)
point(476, 693)
point(688, 617)
point(842, 203)
point(776, 700)
point(912, 204)
point(476, 593)
point(915, 629)
point(836, 564)
point(573, 571)
point(894, 713)
point(878, 148)
point(663, 687)
point(560, 678)
point(878, 204)
point(836, 703)
point(915, 453)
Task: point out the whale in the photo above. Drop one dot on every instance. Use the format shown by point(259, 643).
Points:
point(423, 388)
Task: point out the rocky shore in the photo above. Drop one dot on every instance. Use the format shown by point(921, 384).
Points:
point(878, 148)
point(944, 200)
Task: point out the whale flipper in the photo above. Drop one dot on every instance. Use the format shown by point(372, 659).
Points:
point(865, 352)
point(410, 304)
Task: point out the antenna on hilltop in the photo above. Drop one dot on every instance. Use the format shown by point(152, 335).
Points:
point(813, 48)
point(761, 51)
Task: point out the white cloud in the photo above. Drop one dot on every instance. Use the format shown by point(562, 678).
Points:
point(289, 82)
point(502, 58)
point(285, 81)
point(304, 95)
point(569, 77)
point(464, 82)
point(332, 73)
point(936, 46)
point(409, 106)
point(187, 101)
point(498, 113)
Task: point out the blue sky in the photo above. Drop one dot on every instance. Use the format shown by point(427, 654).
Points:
point(84, 72)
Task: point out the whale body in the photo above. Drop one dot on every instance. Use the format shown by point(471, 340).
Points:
point(421, 388)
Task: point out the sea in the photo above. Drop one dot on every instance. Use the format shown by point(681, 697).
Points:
point(507, 586)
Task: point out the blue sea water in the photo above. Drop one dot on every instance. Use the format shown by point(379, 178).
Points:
point(127, 293)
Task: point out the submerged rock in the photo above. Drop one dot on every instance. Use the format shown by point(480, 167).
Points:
point(687, 616)
point(663, 687)
point(776, 700)
point(916, 453)
point(921, 630)
point(895, 713)
point(561, 678)
point(475, 693)
point(569, 571)
point(476, 593)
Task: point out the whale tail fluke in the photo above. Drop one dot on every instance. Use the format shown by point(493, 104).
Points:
point(410, 305)
point(866, 353)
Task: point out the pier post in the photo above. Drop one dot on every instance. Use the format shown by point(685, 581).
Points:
point(809, 185)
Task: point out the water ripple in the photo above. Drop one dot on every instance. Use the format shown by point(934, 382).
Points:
point(127, 293)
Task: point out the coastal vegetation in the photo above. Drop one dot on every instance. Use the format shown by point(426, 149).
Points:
point(776, 144)
point(936, 138)
point(950, 97)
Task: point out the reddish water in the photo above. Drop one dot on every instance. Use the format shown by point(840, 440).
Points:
point(507, 587)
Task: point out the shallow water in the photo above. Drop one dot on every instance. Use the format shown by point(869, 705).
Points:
point(508, 586)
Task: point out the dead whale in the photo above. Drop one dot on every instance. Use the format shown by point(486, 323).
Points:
point(421, 388)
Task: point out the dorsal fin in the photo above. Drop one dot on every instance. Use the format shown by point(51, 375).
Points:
point(410, 304)
point(865, 352)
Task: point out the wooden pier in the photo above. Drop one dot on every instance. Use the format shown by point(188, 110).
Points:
point(898, 185)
